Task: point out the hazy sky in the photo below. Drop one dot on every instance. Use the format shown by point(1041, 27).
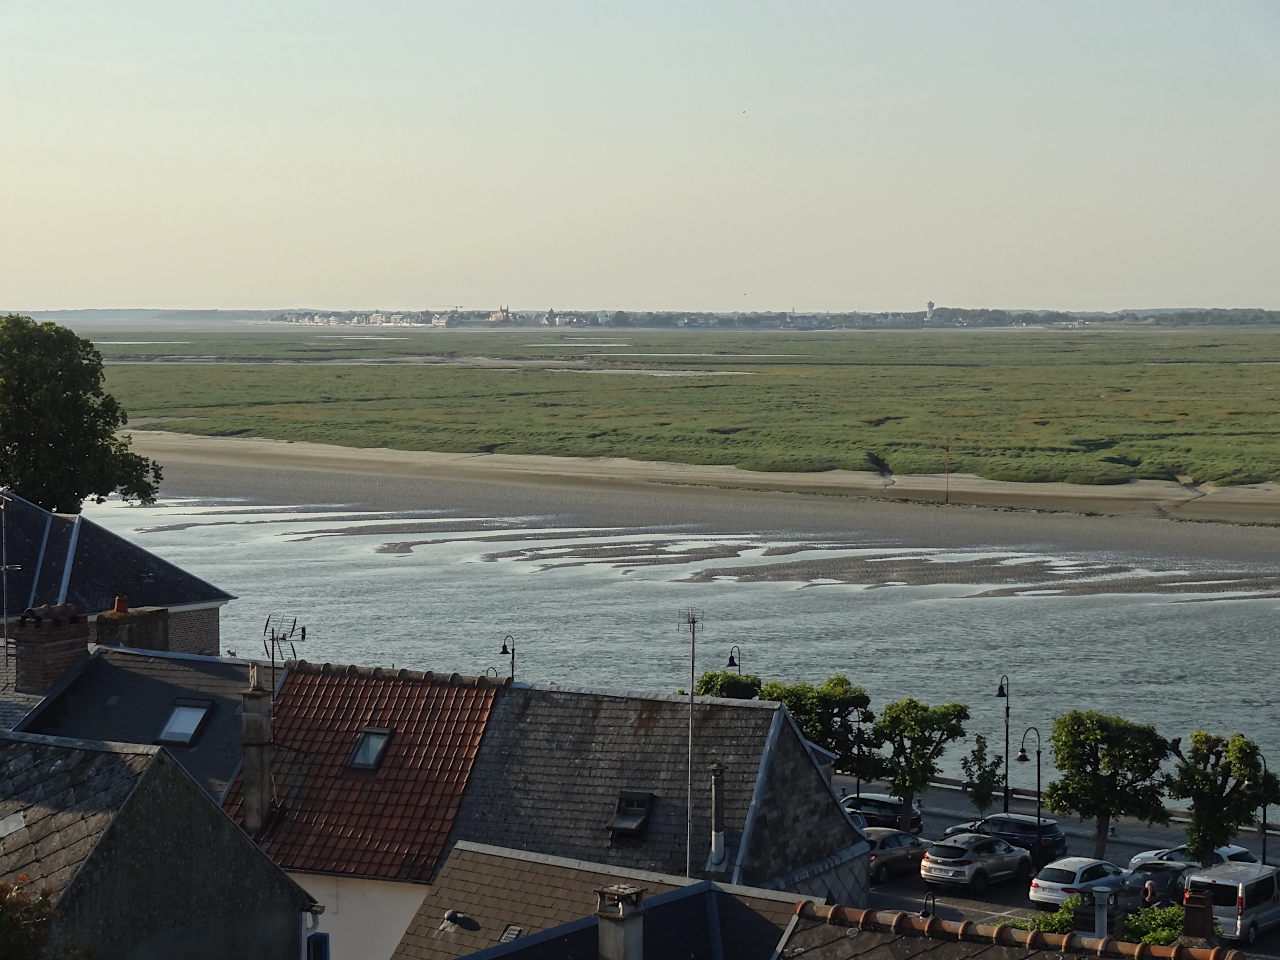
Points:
point(731, 155)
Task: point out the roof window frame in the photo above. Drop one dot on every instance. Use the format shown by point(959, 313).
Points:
point(366, 734)
point(185, 703)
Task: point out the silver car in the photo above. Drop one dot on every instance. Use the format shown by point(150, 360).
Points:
point(974, 860)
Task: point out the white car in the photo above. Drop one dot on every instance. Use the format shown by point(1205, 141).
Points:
point(1071, 875)
point(1220, 855)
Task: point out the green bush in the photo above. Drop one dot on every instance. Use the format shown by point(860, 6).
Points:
point(1158, 926)
point(1061, 920)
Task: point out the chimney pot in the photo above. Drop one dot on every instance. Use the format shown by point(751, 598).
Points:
point(620, 917)
point(121, 605)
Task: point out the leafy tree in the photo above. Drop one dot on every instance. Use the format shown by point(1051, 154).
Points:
point(982, 775)
point(826, 714)
point(1223, 780)
point(915, 735)
point(58, 439)
point(1110, 768)
point(732, 685)
point(24, 920)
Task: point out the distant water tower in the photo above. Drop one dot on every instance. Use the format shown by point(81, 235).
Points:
point(928, 310)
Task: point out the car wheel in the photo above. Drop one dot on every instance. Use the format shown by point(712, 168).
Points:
point(1022, 873)
point(1251, 935)
point(978, 884)
point(880, 874)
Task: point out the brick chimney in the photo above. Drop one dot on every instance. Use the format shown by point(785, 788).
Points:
point(620, 917)
point(256, 742)
point(143, 628)
point(48, 641)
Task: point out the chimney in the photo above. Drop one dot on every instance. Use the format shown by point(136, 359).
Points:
point(256, 742)
point(143, 628)
point(620, 917)
point(48, 641)
point(716, 862)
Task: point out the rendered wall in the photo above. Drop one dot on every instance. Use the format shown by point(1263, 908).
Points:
point(365, 919)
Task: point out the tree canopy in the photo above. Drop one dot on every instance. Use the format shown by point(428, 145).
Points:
point(1110, 768)
point(59, 444)
point(729, 684)
point(915, 736)
point(1224, 781)
point(827, 714)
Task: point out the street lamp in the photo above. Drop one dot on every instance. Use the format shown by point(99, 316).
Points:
point(1023, 758)
point(735, 663)
point(1003, 693)
point(509, 639)
point(1264, 805)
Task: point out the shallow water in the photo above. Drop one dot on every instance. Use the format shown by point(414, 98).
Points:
point(602, 607)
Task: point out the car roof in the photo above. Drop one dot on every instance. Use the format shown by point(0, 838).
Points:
point(883, 797)
point(1075, 863)
point(1021, 818)
point(1233, 871)
point(963, 839)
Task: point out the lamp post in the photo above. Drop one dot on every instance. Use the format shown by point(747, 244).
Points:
point(1264, 806)
point(509, 639)
point(1023, 758)
point(735, 663)
point(1003, 693)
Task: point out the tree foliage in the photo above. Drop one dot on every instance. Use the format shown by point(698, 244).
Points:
point(827, 714)
point(1110, 768)
point(24, 920)
point(981, 774)
point(731, 685)
point(59, 444)
point(915, 735)
point(1223, 781)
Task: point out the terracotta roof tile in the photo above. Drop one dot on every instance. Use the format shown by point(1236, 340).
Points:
point(389, 823)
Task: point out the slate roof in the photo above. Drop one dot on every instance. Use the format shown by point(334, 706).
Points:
point(127, 695)
point(69, 559)
point(497, 888)
point(56, 799)
point(554, 762)
point(840, 933)
point(13, 705)
point(390, 823)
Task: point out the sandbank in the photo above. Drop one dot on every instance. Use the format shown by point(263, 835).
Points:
point(1251, 504)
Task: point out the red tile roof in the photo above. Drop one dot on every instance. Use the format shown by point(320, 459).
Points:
point(390, 823)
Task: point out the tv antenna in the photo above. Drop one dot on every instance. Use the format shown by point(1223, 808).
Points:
point(690, 619)
point(274, 637)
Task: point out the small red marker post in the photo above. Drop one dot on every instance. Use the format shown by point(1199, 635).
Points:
point(946, 492)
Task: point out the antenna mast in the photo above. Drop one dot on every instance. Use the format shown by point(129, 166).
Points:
point(689, 620)
point(5, 567)
point(273, 638)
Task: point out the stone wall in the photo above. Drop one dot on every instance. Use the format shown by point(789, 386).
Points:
point(195, 631)
point(48, 641)
point(156, 628)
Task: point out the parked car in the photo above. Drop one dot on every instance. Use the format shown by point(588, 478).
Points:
point(974, 860)
point(1044, 838)
point(1069, 876)
point(883, 810)
point(1220, 855)
point(893, 851)
point(1168, 876)
point(1245, 897)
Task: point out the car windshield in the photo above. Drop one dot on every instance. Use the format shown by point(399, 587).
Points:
point(1243, 856)
point(1056, 875)
point(947, 851)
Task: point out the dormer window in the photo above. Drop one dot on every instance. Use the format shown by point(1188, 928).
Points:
point(370, 748)
point(185, 721)
point(632, 814)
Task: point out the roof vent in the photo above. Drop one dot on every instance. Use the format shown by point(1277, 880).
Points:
point(632, 814)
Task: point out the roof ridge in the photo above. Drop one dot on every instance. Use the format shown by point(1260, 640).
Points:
point(76, 743)
point(392, 673)
point(622, 694)
point(111, 648)
point(899, 922)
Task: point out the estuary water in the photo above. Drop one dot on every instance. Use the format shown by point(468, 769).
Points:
point(1169, 640)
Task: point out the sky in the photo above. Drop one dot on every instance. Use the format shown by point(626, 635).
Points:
point(827, 155)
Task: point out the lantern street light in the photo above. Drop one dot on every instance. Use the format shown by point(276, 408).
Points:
point(735, 663)
point(510, 641)
point(1023, 758)
point(1003, 692)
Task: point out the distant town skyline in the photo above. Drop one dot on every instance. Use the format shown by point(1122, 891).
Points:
point(820, 155)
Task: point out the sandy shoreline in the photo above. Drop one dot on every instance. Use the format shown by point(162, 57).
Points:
point(1253, 504)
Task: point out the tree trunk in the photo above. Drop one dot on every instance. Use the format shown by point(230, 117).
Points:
point(1102, 826)
point(904, 815)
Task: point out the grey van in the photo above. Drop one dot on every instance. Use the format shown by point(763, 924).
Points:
point(1245, 897)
